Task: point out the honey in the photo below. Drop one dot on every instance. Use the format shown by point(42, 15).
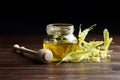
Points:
point(60, 50)
point(60, 40)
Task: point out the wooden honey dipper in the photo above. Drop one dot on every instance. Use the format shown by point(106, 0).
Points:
point(42, 55)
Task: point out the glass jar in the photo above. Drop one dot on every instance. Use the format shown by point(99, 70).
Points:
point(60, 39)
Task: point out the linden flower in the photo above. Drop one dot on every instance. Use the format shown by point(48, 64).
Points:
point(92, 51)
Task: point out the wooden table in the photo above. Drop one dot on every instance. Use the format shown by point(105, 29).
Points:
point(16, 67)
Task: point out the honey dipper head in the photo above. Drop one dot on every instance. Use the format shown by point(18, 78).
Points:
point(46, 55)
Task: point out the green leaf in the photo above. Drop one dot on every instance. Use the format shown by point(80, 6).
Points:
point(107, 39)
point(76, 56)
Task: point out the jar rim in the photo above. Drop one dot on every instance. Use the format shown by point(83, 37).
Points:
point(60, 24)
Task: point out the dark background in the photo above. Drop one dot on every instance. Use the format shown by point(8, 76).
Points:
point(31, 20)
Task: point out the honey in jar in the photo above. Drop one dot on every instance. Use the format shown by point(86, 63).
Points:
point(60, 39)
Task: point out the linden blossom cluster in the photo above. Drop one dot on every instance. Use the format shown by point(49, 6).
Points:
point(92, 51)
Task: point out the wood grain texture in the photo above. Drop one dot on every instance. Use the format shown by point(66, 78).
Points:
point(17, 67)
